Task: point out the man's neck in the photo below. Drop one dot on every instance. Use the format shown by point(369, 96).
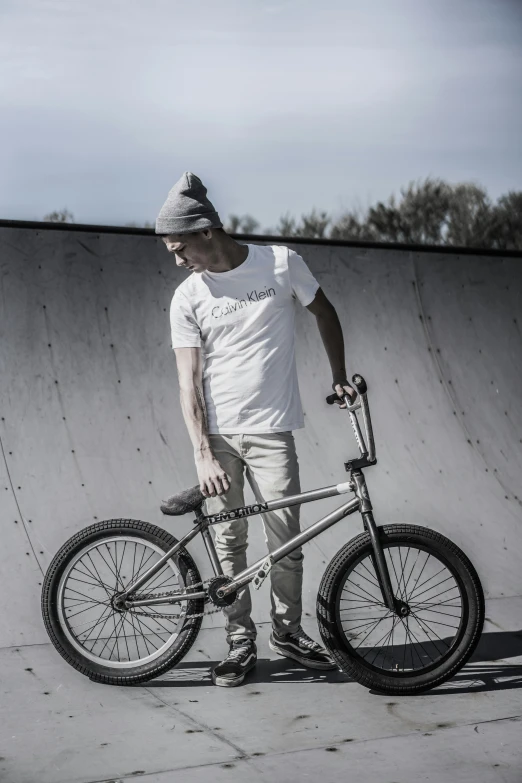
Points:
point(230, 255)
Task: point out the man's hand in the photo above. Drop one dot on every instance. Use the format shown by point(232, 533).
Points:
point(345, 388)
point(212, 478)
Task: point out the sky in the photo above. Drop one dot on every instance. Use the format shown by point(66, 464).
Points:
point(279, 106)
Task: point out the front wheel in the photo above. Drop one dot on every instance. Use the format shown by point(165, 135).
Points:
point(107, 644)
point(395, 654)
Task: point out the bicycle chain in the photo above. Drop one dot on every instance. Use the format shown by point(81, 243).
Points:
point(145, 596)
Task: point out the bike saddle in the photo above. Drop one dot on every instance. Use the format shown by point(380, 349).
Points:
point(183, 502)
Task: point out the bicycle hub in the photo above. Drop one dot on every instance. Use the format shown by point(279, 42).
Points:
point(402, 609)
point(118, 604)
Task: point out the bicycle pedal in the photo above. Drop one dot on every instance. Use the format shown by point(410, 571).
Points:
point(263, 572)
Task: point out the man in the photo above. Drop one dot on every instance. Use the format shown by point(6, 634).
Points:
point(232, 326)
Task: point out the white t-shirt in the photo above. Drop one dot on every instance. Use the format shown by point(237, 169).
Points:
point(243, 319)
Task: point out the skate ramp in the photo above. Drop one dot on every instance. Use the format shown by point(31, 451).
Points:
point(91, 426)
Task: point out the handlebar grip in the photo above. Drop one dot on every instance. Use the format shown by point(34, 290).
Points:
point(359, 384)
point(332, 398)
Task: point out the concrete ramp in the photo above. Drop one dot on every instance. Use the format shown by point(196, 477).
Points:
point(91, 426)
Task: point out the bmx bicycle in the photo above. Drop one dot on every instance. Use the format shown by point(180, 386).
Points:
point(400, 607)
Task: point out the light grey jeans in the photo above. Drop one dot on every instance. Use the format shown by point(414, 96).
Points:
point(272, 469)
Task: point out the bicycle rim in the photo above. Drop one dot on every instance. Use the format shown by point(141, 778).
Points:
point(103, 635)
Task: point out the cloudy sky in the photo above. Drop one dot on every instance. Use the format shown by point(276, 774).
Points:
point(278, 105)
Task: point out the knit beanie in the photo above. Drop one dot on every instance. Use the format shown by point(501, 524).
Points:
point(187, 208)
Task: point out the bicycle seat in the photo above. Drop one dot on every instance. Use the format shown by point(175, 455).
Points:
point(183, 502)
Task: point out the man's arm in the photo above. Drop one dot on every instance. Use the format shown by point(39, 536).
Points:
point(212, 478)
point(332, 336)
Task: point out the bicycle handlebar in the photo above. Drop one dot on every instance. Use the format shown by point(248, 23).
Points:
point(360, 385)
point(362, 403)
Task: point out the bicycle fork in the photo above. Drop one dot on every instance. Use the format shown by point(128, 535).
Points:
point(360, 489)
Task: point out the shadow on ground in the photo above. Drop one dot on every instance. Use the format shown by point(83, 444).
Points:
point(266, 671)
point(476, 676)
point(487, 669)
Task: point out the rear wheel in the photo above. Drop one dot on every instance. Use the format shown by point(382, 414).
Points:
point(107, 644)
point(444, 603)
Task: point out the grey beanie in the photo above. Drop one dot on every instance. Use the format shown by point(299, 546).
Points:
point(187, 208)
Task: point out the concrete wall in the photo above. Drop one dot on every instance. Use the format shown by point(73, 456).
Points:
point(91, 426)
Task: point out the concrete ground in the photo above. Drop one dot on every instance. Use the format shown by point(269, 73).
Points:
point(91, 429)
point(286, 723)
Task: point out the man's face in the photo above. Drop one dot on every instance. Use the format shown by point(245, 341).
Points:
point(192, 251)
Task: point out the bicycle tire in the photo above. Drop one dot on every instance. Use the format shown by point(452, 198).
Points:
point(335, 640)
point(110, 529)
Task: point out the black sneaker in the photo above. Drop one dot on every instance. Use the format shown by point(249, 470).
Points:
point(241, 658)
point(301, 648)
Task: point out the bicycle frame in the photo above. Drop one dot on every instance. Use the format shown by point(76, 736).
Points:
point(259, 570)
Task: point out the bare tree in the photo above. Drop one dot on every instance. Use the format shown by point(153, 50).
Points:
point(134, 224)
point(241, 225)
point(59, 216)
point(286, 226)
point(312, 225)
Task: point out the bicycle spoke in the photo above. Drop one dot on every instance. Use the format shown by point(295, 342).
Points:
point(429, 580)
point(373, 580)
point(106, 587)
point(433, 587)
point(83, 581)
point(154, 633)
point(142, 567)
point(411, 572)
point(434, 611)
point(401, 644)
point(445, 604)
point(121, 560)
point(87, 609)
point(155, 587)
point(403, 569)
point(365, 625)
point(427, 632)
point(120, 624)
point(360, 597)
point(369, 632)
point(98, 623)
point(158, 619)
point(443, 592)
point(100, 553)
point(446, 625)
point(395, 572)
point(421, 572)
point(411, 634)
point(107, 634)
point(361, 588)
point(96, 578)
point(366, 606)
point(116, 573)
point(70, 590)
point(127, 646)
point(131, 620)
point(384, 640)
